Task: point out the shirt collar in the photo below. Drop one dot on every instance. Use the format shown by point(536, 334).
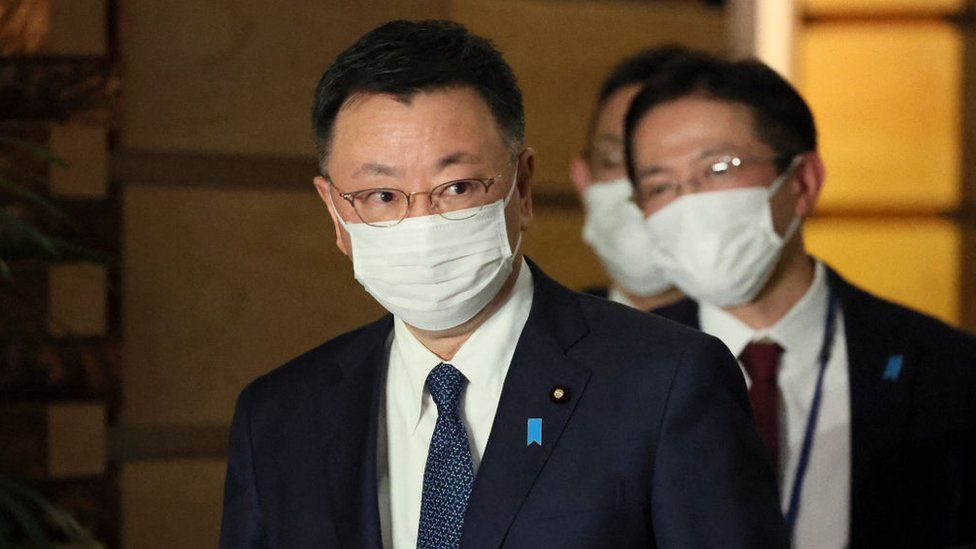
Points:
point(483, 359)
point(803, 323)
point(617, 295)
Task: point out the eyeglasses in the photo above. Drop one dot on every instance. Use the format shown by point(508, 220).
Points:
point(454, 200)
point(605, 156)
point(712, 173)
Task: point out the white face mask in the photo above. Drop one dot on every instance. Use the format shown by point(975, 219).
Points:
point(720, 247)
point(435, 273)
point(614, 227)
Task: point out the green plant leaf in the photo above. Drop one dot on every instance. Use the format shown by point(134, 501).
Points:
point(65, 524)
point(31, 233)
point(24, 518)
point(6, 528)
point(34, 198)
point(35, 149)
point(5, 274)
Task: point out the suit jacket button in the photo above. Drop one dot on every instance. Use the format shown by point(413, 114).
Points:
point(560, 394)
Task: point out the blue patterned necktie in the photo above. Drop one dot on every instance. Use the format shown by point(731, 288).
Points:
point(449, 473)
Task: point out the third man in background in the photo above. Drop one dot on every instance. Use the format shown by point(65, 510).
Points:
point(613, 224)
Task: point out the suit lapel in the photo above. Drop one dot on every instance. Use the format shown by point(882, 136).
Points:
point(510, 466)
point(348, 418)
point(880, 407)
point(683, 312)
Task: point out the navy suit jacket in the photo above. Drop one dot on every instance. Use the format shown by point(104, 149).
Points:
point(655, 446)
point(913, 422)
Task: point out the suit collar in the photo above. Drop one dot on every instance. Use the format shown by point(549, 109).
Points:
point(880, 402)
point(555, 310)
point(683, 312)
point(348, 419)
point(510, 465)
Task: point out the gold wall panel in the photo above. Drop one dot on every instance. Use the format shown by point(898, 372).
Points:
point(914, 262)
point(561, 51)
point(886, 97)
point(170, 504)
point(913, 7)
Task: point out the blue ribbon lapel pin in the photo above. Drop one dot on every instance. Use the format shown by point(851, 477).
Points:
point(893, 368)
point(534, 431)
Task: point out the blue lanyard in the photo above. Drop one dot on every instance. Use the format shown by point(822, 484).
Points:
point(824, 357)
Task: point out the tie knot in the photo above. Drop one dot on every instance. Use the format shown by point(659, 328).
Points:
point(445, 383)
point(761, 361)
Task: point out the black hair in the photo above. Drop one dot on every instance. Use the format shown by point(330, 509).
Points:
point(403, 58)
point(639, 68)
point(781, 118)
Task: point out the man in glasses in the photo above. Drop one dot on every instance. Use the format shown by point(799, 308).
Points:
point(613, 224)
point(493, 406)
point(865, 407)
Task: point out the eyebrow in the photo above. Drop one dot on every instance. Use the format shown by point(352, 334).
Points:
point(451, 159)
point(718, 148)
point(375, 168)
point(650, 170)
point(457, 157)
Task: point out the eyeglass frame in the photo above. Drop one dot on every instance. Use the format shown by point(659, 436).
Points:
point(642, 199)
point(486, 183)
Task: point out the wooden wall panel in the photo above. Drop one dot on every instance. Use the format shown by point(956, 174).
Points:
point(223, 285)
point(237, 76)
point(555, 243)
point(886, 97)
point(913, 262)
point(172, 504)
point(76, 441)
point(881, 7)
point(77, 28)
point(84, 150)
point(78, 299)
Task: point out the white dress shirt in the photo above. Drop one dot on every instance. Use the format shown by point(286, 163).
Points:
point(409, 414)
point(824, 515)
point(615, 294)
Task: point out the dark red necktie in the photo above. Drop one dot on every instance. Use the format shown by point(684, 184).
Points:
point(761, 362)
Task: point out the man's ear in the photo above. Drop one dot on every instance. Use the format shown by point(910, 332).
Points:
point(526, 169)
point(810, 176)
point(579, 174)
point(325, 193)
